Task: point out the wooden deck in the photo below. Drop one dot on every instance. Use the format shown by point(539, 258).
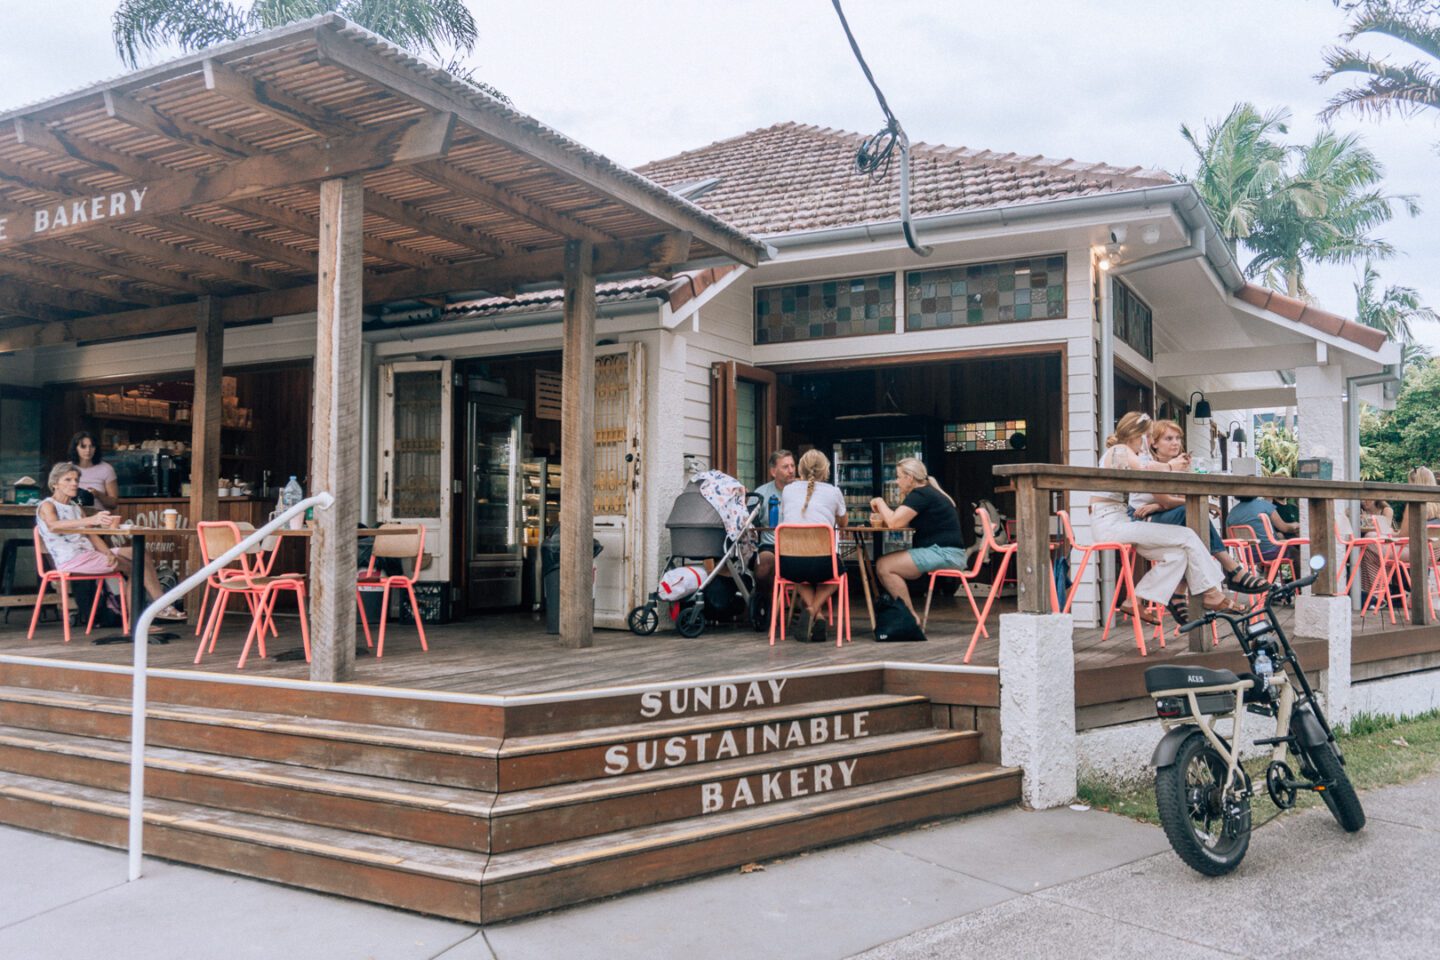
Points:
point(512, 654)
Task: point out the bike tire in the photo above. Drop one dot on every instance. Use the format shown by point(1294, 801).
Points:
point(1340, 797)
point(1186, 795)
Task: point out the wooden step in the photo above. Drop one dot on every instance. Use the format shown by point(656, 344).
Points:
point(546, 877)
point(423, 756)
point(421, 812)
point(420, 877)
point(570, 811)
point(526, 762)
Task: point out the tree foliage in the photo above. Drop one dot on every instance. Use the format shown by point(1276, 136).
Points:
point(1277, 450)
point(1292, 204)
point(1384, 85)
point(1394, 441)
point(1395, 310)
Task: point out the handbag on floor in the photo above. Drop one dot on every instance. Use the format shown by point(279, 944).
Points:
point(894, 623)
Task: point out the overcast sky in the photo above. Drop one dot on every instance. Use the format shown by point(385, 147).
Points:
point(1104, 80)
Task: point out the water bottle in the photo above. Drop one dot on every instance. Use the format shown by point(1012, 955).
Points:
point(774, 511)
point(291, 495)
point(1264, 668)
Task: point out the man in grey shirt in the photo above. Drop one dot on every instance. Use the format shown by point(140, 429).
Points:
point(782, 472)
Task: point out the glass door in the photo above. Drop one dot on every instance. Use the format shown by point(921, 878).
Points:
point(494, 476)
point(414, 444)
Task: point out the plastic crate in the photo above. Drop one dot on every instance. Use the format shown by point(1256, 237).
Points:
point(433, 597)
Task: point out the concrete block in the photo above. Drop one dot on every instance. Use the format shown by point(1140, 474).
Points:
point(1329, 619)
point(1037, 704)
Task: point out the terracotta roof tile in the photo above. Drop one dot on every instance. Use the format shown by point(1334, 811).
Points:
point(792, 177)
point(1301, 312)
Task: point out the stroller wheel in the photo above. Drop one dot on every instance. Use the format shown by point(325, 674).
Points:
point(643, 620)
point(691, 622)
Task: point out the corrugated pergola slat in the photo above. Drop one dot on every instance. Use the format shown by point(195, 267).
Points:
point(125, 204)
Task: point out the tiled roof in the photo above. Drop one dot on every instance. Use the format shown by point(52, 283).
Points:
point(677, 292)
point(793, 177)
point(1292, 308)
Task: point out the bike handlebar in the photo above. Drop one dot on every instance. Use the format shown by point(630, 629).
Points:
point(1276, 592)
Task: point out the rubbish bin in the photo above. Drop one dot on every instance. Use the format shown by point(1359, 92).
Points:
point(550, 568)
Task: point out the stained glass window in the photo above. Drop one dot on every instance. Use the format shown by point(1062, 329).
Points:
point(825, 308)
point(981, 435)
point(1133, 321)
point(1030, 289)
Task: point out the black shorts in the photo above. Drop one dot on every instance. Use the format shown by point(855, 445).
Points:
point(807, 569)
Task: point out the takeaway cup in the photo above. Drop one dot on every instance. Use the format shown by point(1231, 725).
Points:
point(170, 518)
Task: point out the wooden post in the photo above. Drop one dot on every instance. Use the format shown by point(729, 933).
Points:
point(1322, 543)
point(1415, 529)
point(577, 448)
point(1197, 518)
point(205, 429)
point(1032, 556)
point(334, 466)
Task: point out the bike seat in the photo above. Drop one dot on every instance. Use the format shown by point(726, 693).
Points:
point(1180, 678)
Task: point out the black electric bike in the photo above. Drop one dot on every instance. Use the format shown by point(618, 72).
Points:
point(1202, 791)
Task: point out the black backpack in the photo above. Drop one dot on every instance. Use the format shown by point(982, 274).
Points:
point(894, 623)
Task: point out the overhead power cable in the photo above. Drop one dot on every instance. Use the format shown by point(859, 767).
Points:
point(876, 153)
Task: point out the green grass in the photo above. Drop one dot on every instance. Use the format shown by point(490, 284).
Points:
point(1379, 751)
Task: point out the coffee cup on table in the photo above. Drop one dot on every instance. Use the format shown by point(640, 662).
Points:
point(170, 518)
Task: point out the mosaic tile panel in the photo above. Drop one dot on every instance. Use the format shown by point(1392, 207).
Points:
point(1133, 321)
point(1030, 289)
point(859, 306)
point(980, 435)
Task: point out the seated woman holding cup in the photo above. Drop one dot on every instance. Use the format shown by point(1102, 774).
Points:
point(938, 542)
point(74, 548)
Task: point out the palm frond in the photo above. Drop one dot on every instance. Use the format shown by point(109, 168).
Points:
point(1408, 26)
point(147, 25)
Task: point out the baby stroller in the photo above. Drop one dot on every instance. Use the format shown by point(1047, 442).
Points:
point(712, 520)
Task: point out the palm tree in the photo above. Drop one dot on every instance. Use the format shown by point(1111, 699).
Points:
point(1393, 310)
point(420, 26)
point(1406, 88)
point(1241, 164)
point(1324, 211)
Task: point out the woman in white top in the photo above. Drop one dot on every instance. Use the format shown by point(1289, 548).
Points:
point(810, 498)
point(1175, 553)
point(96, 476)
point(73, 547)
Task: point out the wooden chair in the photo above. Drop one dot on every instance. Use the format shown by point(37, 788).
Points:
point(249, 581)
point(800, 540)
point(62, 580)
point(399, 545)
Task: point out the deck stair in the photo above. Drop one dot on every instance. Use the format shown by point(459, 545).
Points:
point(481, 810)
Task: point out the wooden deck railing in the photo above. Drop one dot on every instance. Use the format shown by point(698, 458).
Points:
point(1036, 482)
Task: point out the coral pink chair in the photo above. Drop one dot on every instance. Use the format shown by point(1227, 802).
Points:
point(399, 545)
point(1124, 588)
point(246, 580)
point(797, 540)
point(62, 581)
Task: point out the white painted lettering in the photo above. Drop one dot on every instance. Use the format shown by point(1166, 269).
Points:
point(840, 733)
point(727, 746)
point(650, 702)
point(702, 698)
point(701, 740)
point(775, 687)
point(674, 751)
point(78, 212)
point(797, 782)
point(770, 737)
point(754, 695)
point(42, 221)
point(729, 694)
point(770, 787)
point(711, 798)
point(749, 740)
point(796, 736)
point(97, 205)
point(643, 762)
point(819, 729)
point(743, 794)
point(117, 204)
point(847, 771)
point(860, 718)
point(822, 778)
point(138, 196)
point(59, 219)
point(616, 760)
point(680, 701)
point(3, 221)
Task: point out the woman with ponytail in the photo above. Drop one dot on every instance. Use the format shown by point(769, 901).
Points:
point(811, 498)
point(930, 511)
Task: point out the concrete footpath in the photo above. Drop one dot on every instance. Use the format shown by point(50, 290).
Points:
point(1061, 883)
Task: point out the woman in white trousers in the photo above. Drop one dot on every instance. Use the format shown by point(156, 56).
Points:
point(1175, 553)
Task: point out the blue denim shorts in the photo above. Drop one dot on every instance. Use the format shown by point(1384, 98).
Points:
point(930, 559)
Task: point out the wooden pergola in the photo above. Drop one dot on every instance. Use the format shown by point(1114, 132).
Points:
point(319, 168)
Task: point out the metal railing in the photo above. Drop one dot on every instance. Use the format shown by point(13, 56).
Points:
point(1036, 482)
point(141, 637)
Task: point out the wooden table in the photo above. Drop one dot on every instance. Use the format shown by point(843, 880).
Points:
point(856, 534)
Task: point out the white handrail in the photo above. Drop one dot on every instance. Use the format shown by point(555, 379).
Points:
point(141, 637)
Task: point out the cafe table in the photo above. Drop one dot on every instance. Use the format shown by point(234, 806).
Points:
point(856, 536)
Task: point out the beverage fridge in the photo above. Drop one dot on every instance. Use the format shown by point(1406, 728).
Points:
point(864, 468)
point(495, 528)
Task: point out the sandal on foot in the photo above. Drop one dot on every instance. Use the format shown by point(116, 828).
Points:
point(1179, 608)
point(1245, 580)
point(1227, 605)
point(1128, 609)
